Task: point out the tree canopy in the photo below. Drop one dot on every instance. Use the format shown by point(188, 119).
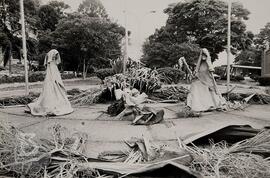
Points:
point(202, 23)
point(83, 37)
point(10, 26)
point(50, 14)
point(253, 55)
point(93, 8)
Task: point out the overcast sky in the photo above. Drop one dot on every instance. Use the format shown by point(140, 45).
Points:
point(142, 22)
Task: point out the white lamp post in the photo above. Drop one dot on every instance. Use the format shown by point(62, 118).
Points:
point(24, 48)
point(229, 44)
point(126, 36)
point(126, 45)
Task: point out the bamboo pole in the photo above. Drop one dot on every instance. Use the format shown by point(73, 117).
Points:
point(24, 48)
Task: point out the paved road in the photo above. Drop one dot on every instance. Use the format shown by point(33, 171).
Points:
point(18, 89)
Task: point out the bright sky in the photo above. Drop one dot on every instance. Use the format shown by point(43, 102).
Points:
point(143, 23)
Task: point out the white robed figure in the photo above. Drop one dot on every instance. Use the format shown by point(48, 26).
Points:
point(204, 94)
point(53, 99)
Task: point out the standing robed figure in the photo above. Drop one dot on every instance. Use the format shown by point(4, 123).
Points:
point(53, 99)
point(204, 95)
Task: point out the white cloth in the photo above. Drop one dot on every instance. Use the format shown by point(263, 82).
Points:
point(53, 99)
point(202, 95)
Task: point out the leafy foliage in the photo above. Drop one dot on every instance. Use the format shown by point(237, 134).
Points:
point(196, 23)
point(264, 81)
point(33, 77)
point(263, 37)
point(10, 26)
point(82, 38)
point(117, 65)
point(204, 22)
point(159, 53)
point(170, 75)
point(50, 14)
point(103, 73)
point(144, 79)
point(93, 8)
point(221, 71)
point(249, 57)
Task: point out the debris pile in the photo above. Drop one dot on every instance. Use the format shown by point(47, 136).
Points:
point(20, 100)
point(87, 97)
point(178, 93)
point(24, 100)
point(250, 98)
point(23, 155)
point(130, 106)
point(246, 158)
point(144, 80)
point(116, 107)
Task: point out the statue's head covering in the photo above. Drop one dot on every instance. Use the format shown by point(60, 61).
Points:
point(52, 55)
point(205, 52)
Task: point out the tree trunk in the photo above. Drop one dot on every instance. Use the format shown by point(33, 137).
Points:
point(9, 61)
point(62, 64)
point(1, 57)
point(84, 72)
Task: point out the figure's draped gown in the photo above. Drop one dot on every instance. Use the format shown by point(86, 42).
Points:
point(202, 95)
point(53, 99)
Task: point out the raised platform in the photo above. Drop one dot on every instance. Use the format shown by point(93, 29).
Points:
point(106, 134)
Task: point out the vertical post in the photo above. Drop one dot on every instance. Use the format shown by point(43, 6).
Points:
point(9, 63)
point(24, 48)
point(84, 72)
point(229, 45)
point(126, 42)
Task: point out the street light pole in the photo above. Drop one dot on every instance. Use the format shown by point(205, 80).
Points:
point(229, 45)
point(126, 45)
point(24, 47)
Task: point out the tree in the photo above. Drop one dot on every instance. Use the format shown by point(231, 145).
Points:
point(10, 26)
point(93, 8)
point(252, 56)
point(60, 7)
point(203, 23)
point(249, 57)
point(86, 40)
point(162, 49)
point(50, 14)
point(263, 37)
point(5, 48)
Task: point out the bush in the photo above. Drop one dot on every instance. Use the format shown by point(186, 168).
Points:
point(255, 77)
point(221, 71)
point(264, 81)
point(117, 66)
point(36, 76)
point(67, 76)
point(13, 79)
point(238, 78)
point(170, 75)
point(33, 77)
point(103, 73)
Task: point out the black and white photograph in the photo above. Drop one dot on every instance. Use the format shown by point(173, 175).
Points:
point(134, 89)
